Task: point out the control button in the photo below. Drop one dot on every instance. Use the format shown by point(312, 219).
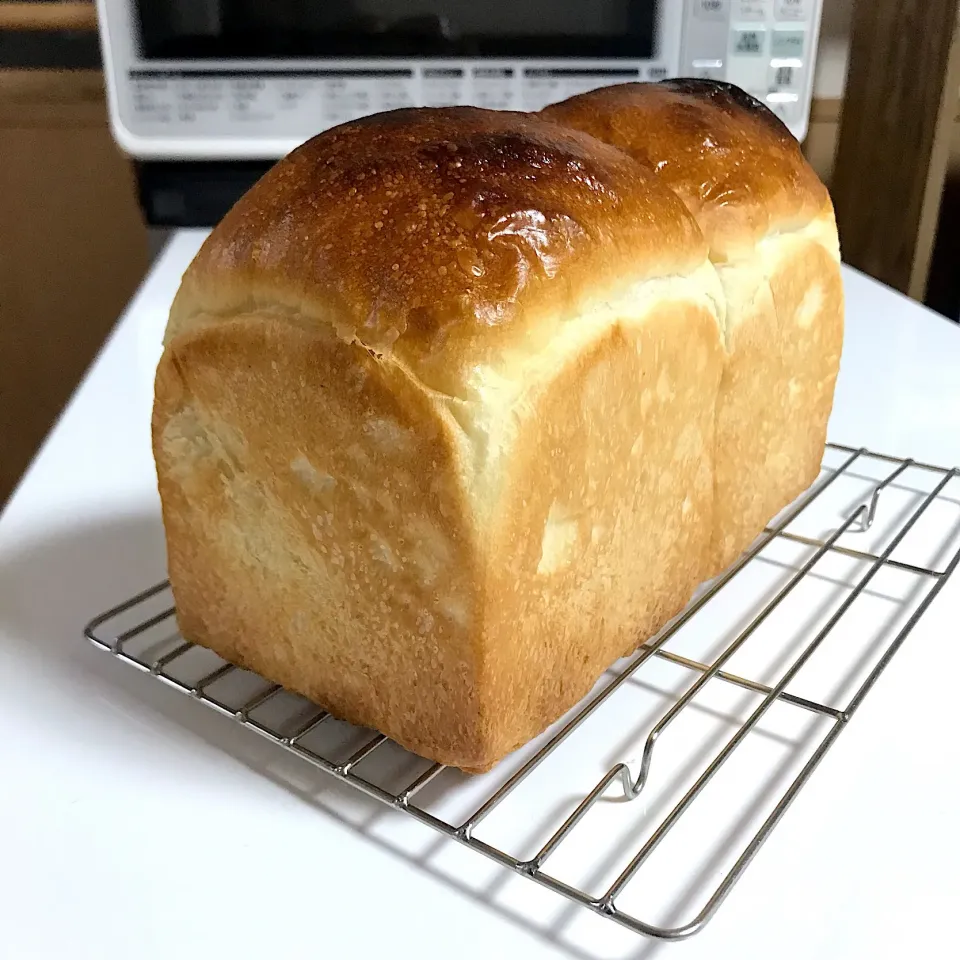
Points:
point(787, 43)
point(657, 73)
point(752, 9)
point(785, 105)
point(749, 43)
point(707, 70)
point(711, 9)
point(705, 40)
point(786, 76)
point(749, 73)
point(793, 9)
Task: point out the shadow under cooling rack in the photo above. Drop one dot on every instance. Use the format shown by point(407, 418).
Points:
point(648, 800)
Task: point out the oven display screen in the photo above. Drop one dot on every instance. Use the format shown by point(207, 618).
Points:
point(285, 29)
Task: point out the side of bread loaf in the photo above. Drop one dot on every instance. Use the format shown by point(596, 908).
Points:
point(772, 236)
point(434, 424)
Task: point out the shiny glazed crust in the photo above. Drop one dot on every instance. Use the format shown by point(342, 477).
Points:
point(434, 424)
point(769, 224)
point(446, 237)
point(735, 166)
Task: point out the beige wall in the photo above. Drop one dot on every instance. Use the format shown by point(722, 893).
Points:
point(832, 59)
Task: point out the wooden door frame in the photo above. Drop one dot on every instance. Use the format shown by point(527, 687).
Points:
point(902, 92)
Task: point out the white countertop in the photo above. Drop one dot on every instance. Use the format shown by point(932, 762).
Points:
point(139, 824)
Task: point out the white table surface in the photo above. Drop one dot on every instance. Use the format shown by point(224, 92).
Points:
point(137, 823)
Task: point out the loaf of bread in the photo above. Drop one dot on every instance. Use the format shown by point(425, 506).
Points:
point(770, 227)
point(434, 424)
point(457, 407)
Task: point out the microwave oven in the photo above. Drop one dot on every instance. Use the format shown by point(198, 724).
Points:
point(248, 79)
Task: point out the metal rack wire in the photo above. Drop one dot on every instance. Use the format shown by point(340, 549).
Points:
point(119, 629)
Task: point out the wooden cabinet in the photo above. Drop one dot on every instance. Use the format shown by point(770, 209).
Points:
point(72, 248)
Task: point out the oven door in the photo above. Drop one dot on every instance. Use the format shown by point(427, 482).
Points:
point(227, 79)
point(421, 29)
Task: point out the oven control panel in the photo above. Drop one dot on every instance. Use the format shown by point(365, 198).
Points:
point(768, 48)
point(180, 96)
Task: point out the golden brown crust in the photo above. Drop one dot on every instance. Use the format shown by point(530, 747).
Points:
point(737, 168)
point(443, 236)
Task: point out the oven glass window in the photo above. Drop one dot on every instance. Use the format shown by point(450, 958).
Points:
point(228, 29)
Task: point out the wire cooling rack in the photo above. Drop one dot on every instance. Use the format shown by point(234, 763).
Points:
point(778, 654)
